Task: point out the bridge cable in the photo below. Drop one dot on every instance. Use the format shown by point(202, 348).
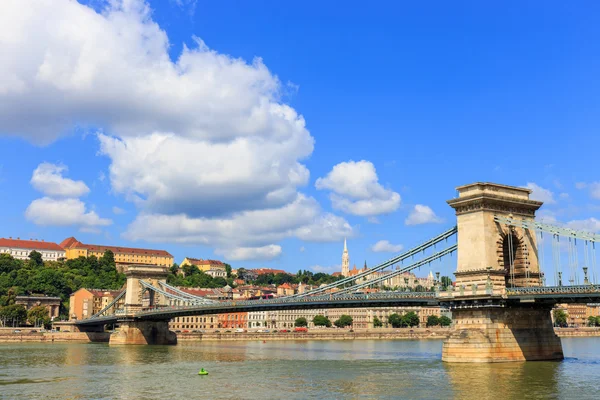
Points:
point(408, 254)
point(410, 267)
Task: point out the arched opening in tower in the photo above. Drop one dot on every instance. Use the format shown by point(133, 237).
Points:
point(513, 260)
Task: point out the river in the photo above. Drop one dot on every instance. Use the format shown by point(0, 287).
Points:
point(359, 369)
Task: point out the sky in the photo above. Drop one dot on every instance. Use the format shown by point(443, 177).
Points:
point(264, 133)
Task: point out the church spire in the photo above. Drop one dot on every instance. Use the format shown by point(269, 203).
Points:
point(345, 261)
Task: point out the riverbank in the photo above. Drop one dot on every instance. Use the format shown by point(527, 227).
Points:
point(10, 336)
point(53, 337)
point(321, 334)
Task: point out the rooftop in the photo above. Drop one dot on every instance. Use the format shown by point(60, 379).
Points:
point(72, 243)
point(29, 244)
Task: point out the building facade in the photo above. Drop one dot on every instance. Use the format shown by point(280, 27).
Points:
point(123, 255)
point(86, 302)
point(52, 304)
point(204, 265)
point(20, 249)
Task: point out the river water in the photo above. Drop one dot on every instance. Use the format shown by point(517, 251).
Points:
point(360, 369)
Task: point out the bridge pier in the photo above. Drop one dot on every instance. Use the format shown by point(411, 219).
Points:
point(134, 331)
point(502, 334)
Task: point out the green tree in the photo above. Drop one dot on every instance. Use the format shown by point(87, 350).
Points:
point(9, 299)
point(38, 315)
point(592, 321)
point(433, 320)
point(35, 259)
point(108, 258)
point(560, 317)
point(219, 282)
point(241, 273)
point(300, 322)
point(343, 321)
point(377, 322)
point(410, 319)
point(446, 282)
point(445, 321)
point(228, 270)
point(395, 320)
point(174, 269)
point(14, 314)
point(320, 320)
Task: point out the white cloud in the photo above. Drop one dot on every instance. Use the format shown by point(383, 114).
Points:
point(302, 218)
point(564, 196)
point(356, 189)
point(268, 252)
point(594, 188)
point(63, 212)
point(117, 210)
point(422, 214)
point(327, 270)
point(386, 247)
point(588, 225)
point(48, 179)
point(302, 249)
point(171, 174)
point(540, 194)
point(202, 144)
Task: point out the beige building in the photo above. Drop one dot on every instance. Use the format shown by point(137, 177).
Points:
point(203, 265)
point(123, 255)
point(52, 304)
point(362, 317)
point(86, 302)
point(578, 314)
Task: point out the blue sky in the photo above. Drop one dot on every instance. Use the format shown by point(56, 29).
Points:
point(283, 129)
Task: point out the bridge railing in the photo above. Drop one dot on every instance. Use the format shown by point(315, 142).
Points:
point(553, 290)
point(311, 299)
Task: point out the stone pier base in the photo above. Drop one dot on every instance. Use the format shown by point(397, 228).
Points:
point(501, 335)
point(143, 332)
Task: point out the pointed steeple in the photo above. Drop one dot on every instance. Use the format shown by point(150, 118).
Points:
point(345, 260)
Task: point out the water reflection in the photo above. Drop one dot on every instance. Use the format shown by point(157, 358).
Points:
point(287, 369)
point(524, 380)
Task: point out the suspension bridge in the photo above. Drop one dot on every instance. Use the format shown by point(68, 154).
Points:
point(500, 301)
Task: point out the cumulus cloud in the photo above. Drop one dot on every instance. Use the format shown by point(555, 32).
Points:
point(63, 212)
point(118, 210)
point(540, 194)
point(356, 189)
point(170, 174)
point(268, 252)
point(588, 225)
point(422, 214)
point(302, 218)
point(386, 247)
point(201, 143)
point(60, 206)
point(593, 187)
point(48, 179)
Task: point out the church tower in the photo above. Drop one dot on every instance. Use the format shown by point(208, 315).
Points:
point(345, 261)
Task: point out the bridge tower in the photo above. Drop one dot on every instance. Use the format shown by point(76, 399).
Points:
point(492, 257)
point(132, 330)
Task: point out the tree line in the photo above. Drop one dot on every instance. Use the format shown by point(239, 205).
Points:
point(53, 278)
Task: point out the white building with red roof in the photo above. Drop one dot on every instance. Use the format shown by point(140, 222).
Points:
point(21, 249)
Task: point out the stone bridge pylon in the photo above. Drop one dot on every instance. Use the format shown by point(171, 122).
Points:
point(132, 330)
point(492, 257)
